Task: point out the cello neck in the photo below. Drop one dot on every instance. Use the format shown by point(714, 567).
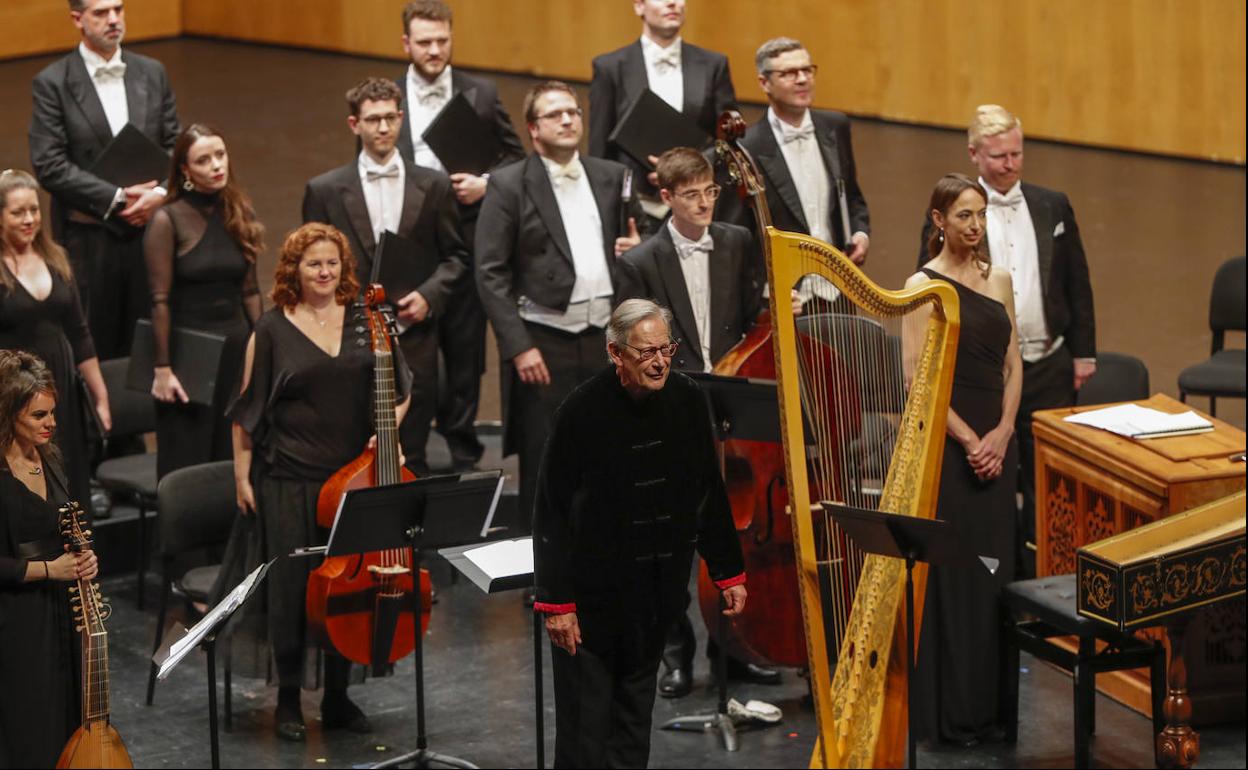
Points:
point(387, 456)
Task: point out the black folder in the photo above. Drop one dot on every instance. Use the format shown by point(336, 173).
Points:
point(461, 139)
point(196, 357)
point(400, 267)
point(650, 126)
point(131, 158)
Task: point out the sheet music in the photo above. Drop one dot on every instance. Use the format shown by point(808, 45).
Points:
point(504, 557)
point(1135, 421)
point(179, 649)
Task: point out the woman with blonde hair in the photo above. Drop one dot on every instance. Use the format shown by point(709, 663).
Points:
point(40, 312)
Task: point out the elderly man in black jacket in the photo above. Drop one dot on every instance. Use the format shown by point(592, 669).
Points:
point(629, 488)
point(1032, 232)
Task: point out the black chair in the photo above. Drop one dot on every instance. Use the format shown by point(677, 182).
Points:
point(197, 508)
point(1119, 377)
point(1222, 375)
point(134, 414)
point(1039, 610)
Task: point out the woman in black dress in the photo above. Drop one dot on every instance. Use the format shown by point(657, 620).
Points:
point(304, 412)
point(39, 658)
point(957, 669)
point(40, 313)
point(201, 249)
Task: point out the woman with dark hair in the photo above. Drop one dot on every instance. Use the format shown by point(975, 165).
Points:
point(40, 312)
point(304, 412)
point(39, 654)
point(957, 670)
point(201, 249)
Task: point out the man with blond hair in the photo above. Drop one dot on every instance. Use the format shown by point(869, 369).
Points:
point(1032, 233)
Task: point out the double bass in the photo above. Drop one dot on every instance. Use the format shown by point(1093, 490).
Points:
point(95, 743)
point(768, 632)
point(363, 606)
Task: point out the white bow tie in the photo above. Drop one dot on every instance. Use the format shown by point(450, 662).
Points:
point(704, 244)
point(1011, 199)
point(572, 171)
point(389, 172)
point(666, 60)
point(114, 70)
point(789, 134)
point(430, 94)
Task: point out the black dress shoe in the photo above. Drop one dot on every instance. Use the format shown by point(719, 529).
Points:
point(677, 682)
point(288, 724)
point(749, 672)
point(340, 713)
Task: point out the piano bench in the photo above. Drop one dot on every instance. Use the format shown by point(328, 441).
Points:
point(1038, 611)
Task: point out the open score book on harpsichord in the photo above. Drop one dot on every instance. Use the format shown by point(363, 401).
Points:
point(1139, 422)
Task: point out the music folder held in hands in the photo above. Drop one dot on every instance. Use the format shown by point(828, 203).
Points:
point(194, 357)
point(650, 126)
point(399, 266)
point(462, 140)
point(131, 158)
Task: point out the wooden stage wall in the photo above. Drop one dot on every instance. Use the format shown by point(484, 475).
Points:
point(1159, 76)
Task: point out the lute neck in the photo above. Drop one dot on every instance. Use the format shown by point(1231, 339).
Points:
point(387, 465)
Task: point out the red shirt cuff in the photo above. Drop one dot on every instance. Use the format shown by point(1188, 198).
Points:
point(554, 609)
point(730, 582)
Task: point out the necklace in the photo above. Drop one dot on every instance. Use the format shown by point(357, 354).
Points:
point(34, 469)
point(316, 317)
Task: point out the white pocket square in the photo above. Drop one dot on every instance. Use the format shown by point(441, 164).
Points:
point(1061, 228)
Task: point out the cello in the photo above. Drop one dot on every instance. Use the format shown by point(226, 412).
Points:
point(95, 743)
point(362, 605)
point(770, 632)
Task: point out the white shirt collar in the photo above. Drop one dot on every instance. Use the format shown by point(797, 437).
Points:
point(552, 167)
point(779, 125)
point(685, 246)
point(1014, 193)
point(94, 61)
point(417, 82)
point(651, 49)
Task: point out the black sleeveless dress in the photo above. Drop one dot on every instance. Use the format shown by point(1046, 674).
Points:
point(957, 669)
point(39, 649)
point(55, 329)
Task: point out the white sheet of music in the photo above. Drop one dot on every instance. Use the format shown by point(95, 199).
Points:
point(504, 558)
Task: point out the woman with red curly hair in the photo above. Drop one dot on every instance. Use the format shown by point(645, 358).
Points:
point(304, 412)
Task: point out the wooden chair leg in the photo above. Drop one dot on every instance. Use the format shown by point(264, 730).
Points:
point(160, 635)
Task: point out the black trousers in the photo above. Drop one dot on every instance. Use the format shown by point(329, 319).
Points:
point(1047, 384)
point(571, 359)
point(604, 698)
point(420, 350)
point(461, 338)
point(112, 284)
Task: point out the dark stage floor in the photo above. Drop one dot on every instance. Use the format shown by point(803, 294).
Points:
point(479, 679)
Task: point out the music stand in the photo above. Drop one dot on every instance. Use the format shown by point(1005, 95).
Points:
point(204, 635)
point(742, 409)
point(434, 512)
point(932, 541)
point(495, 583)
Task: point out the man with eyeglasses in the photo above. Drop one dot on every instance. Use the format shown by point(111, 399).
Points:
point(709, 274)
point(379, 191)
point(550, 229)
point(807, 161)
point(429, 84)
point(630, 487)
point(694, 81)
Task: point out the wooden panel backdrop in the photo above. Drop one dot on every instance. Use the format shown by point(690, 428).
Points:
point(1164, 76)
point(43, 26)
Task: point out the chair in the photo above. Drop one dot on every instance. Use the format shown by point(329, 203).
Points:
point(134, 414)
point(197, 508)
point(1039, 610)
point(1119, 377)
point(1222, 375)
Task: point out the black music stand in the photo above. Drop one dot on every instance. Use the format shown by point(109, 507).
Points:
point(932, 541)
point(434, 512)
point(748, 410)
point(204, 635)
point(492, 584)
